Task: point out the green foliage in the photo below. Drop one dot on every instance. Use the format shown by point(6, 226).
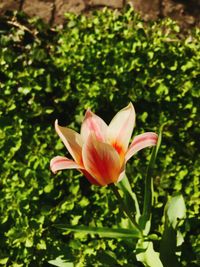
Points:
point(101, 61)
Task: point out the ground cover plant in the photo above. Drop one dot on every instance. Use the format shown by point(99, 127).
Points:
point(103, 62)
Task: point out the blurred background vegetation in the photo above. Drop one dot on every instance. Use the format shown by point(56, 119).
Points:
point(102, 61)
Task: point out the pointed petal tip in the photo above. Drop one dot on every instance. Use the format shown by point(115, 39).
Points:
point(93, 123)
point(56, 123)
point(88, 112)
point(130, 105)
point(133, 111)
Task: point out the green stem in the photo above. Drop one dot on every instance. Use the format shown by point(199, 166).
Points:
point(148, 191)
point(148, 196)
point(124, 207)
point(131, 193)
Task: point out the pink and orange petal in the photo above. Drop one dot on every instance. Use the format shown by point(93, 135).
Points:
point(101, 151)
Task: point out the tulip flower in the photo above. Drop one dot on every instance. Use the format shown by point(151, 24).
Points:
point(101, 151)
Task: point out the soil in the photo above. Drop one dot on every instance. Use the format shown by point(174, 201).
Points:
point(186, 12)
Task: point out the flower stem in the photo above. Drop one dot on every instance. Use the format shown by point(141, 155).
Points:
point(124, 207)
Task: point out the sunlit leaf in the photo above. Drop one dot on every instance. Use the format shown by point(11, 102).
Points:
point(146, 254)
point(130, 197)
point(60, 262)
point(175, 211)
point(148, 193)
point(104, 231)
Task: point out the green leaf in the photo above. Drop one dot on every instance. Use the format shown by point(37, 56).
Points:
point(130, 197)
point(102, 231)
point(59, 262)
point(146, 254)
point(107, 258)
point(148, 194)
point(174, 211)
point(168, 248)
point(3, 261)
point(126, 209)
point(155, 150)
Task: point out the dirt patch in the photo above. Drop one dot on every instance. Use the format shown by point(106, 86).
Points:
point(187, 13)
point(61, 7)
point(42, 9)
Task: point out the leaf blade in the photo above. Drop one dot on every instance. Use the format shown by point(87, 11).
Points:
point(148, 194)
point(102, 231)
